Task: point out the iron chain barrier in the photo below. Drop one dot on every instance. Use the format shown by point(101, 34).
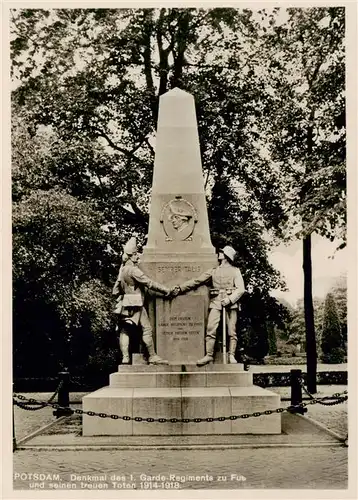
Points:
point(292, 409)
point(39, 404)
point(338, 397)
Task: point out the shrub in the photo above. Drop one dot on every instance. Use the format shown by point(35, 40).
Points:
point(332, 339)
point(285, 360)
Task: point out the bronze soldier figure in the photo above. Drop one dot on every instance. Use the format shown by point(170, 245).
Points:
point(227, 288)
point(129, 291)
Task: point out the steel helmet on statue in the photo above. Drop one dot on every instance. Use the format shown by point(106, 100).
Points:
point(229, 252)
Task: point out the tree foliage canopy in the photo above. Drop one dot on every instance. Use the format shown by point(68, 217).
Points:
point(268, 84)
point(306, 122)
point(296, 324)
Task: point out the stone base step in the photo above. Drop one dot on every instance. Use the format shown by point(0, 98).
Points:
point(156, 379)
point(211, 367)
point(138, 359)
point(184, 402)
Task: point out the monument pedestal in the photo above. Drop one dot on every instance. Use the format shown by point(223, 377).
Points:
point(179, 249)
point(181, 391)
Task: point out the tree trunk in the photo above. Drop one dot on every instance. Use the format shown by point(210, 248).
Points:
point(309, 316)
point(179, 59)
point(163, 56)
point(311, 348)
point(147, 59)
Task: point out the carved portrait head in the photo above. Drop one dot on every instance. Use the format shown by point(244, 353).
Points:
point(178, 217)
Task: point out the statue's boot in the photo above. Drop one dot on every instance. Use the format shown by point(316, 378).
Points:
point(154, 359)
point(232, 350)
point(157, 360)
point(124, 347)
point(205, 360)
point(209, 357)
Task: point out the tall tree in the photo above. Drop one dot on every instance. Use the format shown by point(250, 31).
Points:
point(306, 60)
point(60, 277)
point(92, 77)
point(98, 79)
point(101, 73)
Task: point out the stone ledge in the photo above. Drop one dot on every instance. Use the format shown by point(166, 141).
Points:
point(156, 379)
point(297, 431)
point(189, 402)
point(187, 367)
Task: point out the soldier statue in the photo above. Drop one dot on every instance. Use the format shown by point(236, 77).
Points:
point(227, 288)
point(129, 292)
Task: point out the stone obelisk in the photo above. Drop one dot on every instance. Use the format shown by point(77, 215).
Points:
point(178, 245)
point(179, 248)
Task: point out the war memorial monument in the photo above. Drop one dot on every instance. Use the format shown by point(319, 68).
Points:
point(182, 378)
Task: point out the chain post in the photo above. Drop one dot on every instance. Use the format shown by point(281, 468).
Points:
point(296, 392)
point(14, 445)
point(63, 397)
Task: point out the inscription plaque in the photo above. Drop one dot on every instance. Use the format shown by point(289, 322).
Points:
point(180, 328)
point(169, 273)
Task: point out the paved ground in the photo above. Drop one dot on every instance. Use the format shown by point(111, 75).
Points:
point(283, 468)
point(27, 422)
point(333, 417)
point(306, 468)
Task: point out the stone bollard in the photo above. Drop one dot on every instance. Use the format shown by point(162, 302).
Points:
point(63, 397)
